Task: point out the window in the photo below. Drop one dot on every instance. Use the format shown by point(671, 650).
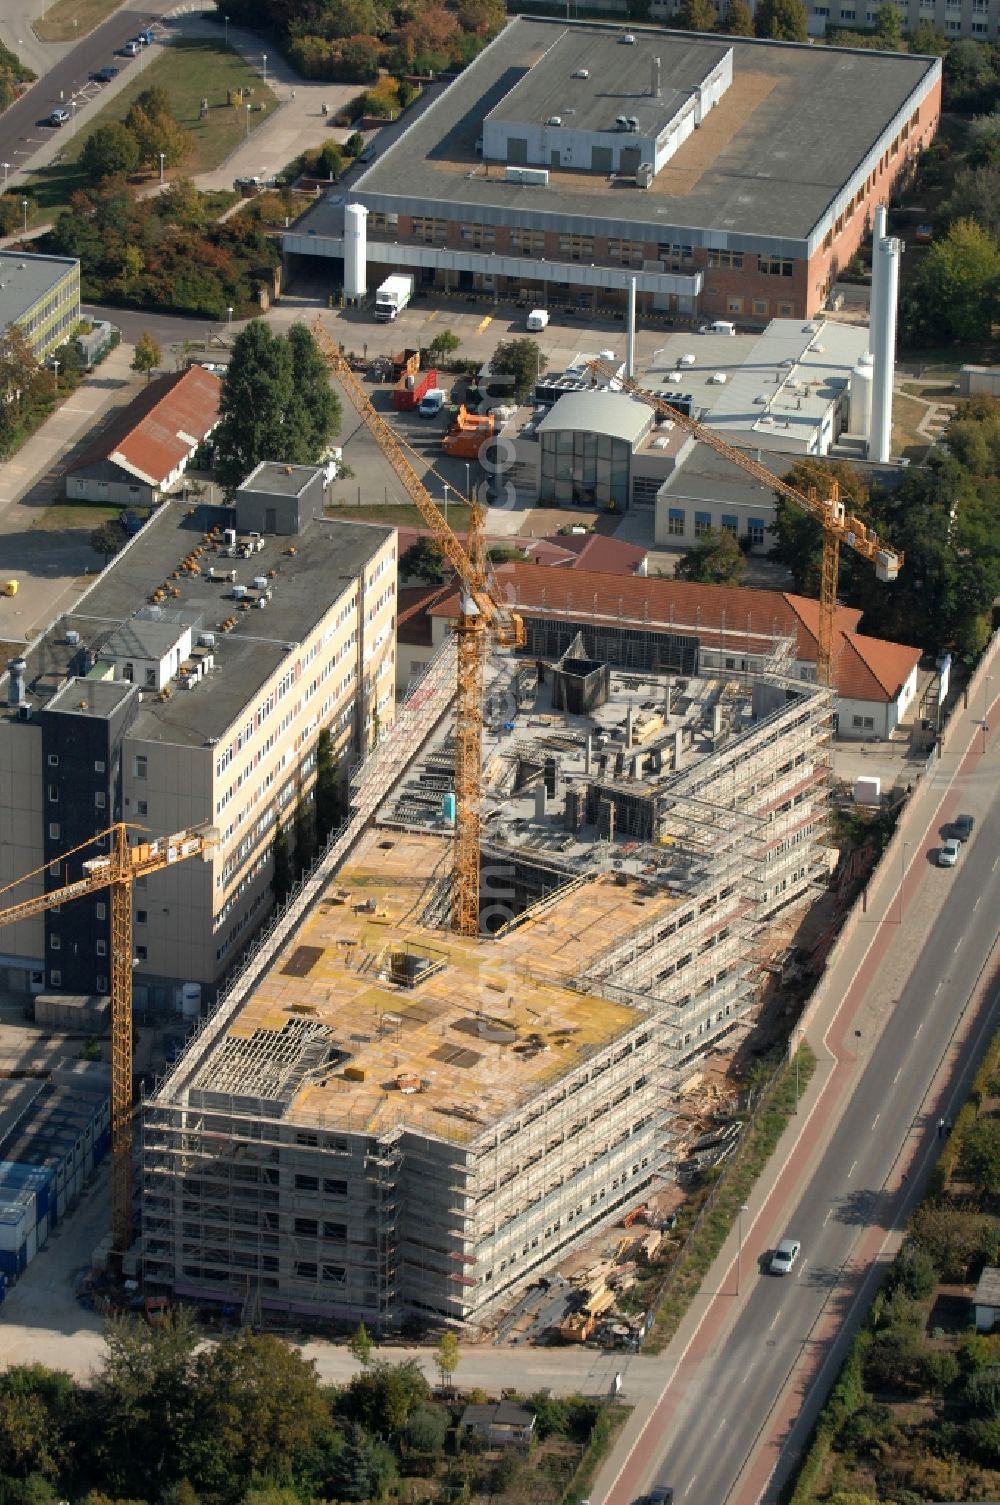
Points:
point(141, 807)
point(336, 1231)
point(775, 266)
point(848, 15)
point(384, 222)
point(101, 948)
point(139, 766)
point(702, 523)
point(821, 10)
point(142, 953)
point(427, 229)
point(625, 251)
point(863, 723)
point(150, 679)
point(54, 830)
point(100, 910)
point(477, 235)
point(53, 794)
point(980, 28)
point(53, 760)
point(55, 978)
point(99, 766)
point(576, 247)
point(760, 306)
point(786, 310)
point(306, 1183)
point(675, 256)
point(306, 1227)
point(734, 305)
point(334, 1188)
point(335, 1273)
point(675, 522)
point(731, 259)
point(755, 531)
point(55, 942)
point(305, 1269)
point(528, 242)
point(730, 525)
point(141, 916)
point(101, 982)
point(100, 799)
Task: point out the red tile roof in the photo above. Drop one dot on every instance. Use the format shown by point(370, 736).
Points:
point(608, 556)
point(865, 668)
point(158, 431)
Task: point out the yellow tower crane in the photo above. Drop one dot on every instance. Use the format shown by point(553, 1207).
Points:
point(117, 871)
point(839, 526)
point(484, 614)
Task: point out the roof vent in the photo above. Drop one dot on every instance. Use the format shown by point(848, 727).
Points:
point(554, 120)
point(582, 73)
point(621, 121)
point(627, 39)
point(72, 637)
point(633, 122)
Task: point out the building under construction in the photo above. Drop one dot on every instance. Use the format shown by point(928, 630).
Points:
point(386, 1121)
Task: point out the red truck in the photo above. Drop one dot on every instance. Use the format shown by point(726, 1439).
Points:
point(412, 385)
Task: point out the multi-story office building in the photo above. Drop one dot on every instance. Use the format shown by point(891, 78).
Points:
point(41, 294)
point(188, 688)
point(728, 177)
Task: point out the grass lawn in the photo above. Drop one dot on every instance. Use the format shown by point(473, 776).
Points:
point(397, 516)
point(907, 412)
point(189, 70)
point(67, 517)
point(66, 20)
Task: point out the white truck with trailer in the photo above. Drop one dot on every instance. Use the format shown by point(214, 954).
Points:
point(393, 296)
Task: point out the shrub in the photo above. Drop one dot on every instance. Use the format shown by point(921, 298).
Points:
point(913, 1272)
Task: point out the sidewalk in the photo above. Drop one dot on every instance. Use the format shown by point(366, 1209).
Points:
point(859, 977)
point(48, 565)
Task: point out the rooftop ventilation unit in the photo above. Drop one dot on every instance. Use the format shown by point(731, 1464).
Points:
point(206, 639)
point(621, 121)
point(554, 120)
point(644, 175)
point(529, 176)
point(627, 39)
point(72, 637)
point(633, 122)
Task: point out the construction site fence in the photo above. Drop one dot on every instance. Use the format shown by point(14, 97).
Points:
point(891, 865)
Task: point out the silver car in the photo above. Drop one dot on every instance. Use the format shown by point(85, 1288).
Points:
point(948, 853)
point(785, 1256)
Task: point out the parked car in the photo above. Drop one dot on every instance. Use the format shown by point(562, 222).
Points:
point(105, 75)
point(785, 1256)
point(961, 827)
point(923, 235)
point(130, 49)
point(661, 1495)
point(59, 117)
point(948, 854)
point(145, 38)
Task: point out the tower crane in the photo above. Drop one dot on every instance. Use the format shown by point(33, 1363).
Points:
point(838, 525)
point(484, 615)
point(117, 871)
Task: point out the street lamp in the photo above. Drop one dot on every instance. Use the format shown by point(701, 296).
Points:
point(468, 482)
point(226, 19)
point(446, 501)
point(264, 58)
point(985, 726)
point(162, 155)
point(229, 319)
point(24, 206)
point(248, 122)
point(739, 1247)
point(6, 168)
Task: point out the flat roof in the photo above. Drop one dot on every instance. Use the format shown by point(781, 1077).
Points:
point(485, 1029)
point(279, 480)
point(618, 83)
point(768, 161)
point(25, 277)
point(328, 555)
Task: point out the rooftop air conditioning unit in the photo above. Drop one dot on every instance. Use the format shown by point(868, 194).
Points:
point(627, 40)
point(621, 121)
point(72, 637)
point(633, 122)
point(239, 591)
point(206, 640)
point(554, 120)
point(260, 582)
point(190, 682)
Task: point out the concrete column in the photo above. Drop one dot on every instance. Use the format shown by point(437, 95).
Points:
point(540, 801)
point(716, 720)
point(588, 753)
point(629, 727)
point(630, 344)
point(678, 746)
point(884, 349)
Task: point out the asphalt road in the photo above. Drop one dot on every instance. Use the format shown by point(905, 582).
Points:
point(717, 1422)
point(20, 132)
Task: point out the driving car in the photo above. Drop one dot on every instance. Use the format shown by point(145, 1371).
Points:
point(948, 853)
point(961, 827)
point(785, 1256)
point(661, 1495)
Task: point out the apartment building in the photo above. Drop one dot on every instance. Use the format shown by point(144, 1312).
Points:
point(40, 294)
point(188, 688)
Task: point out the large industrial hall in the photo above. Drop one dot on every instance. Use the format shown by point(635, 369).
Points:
point(390, 1121)
point(729, 177)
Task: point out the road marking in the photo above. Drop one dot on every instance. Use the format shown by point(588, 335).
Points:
point(801, 1268)
point(977, 903)
point(690, 1486)
point(773, 1320)
point(919, 1028)
point(748, 1374)
point(432, 315)
point(877, 1117)
point(485, 323)
point(829, 1215)
point(897, 1076)
point(994, 867)
point(722, 1423)
point(853, 1168)
point(958, 947)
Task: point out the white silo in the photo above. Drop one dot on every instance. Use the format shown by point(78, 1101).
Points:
point(355, 253)
point(884, 348)
point(860, 419)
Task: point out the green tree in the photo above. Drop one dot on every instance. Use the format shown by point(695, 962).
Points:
point(425, 1430)
point(363, 1469)
point(327, 802)
point(315, 415)
point(913, 1272)
point(423, 560)
point(889, 25)
point(442, 346)
point(355, 144)
point(108, 537)
point(256, 406)
point(715, 559)
point(447, 1357)
point(148, 354)
point(330, 160)
point(975, 195)
point(37, 1412)
point(956, 293)
point(305, 835)
point(782, 20)
point(281, 872)
point(955, 1237)
point(382, 1396)
point(979, 1157)
point(112, 151)
point(798, 538)
point(361, 1345)
point(697, 15)
point(738, 21)
point(521, 362)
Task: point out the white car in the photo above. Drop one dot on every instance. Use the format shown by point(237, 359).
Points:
point(537, 319)
point(785, 1256)
point(948, 854)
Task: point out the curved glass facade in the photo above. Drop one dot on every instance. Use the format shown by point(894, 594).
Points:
point(584, 470)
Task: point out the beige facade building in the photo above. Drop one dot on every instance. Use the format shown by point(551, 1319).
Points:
point(188, 688)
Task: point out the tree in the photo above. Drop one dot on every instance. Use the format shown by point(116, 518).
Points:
point(382, 1396)
point(975, 195)
point(447, 1357)
point(798, 538)
point(305, 835)
point(423, 560)
point(362, 1470)
point(738, 20)
point(281, 874)
point(979, 1157)
point(913, 1272)
point(330, 161)
point(315, 413)
point(518, 364)
point(442, 346)
point(889, 25)
point(956, 294)
point(327, 804)
point(260, 413)
point(108, 537)
point(355, 144)
point(148, 354)
point(361, 1345)
point(111, 151)
point(425, 1430)
point(697, 15)
point(955, 1237)
point(715, 559)
point(37, 1408)
point(782, 20)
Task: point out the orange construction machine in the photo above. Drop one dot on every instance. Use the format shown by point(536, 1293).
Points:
point(468, 433)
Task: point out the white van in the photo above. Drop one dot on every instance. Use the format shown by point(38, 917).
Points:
point(432, 402)
point(538, 319)
point(719, 326)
